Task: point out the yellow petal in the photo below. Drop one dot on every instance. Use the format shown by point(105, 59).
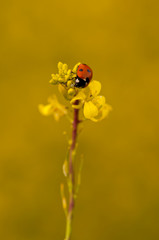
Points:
point(45, 110)
point(99, 101)
point(103, 112)
point(90, 110)
point(95, 88)
point(80, 97)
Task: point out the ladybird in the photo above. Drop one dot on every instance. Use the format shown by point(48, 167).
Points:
point(84, 76)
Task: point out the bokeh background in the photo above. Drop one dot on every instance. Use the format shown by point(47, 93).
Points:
point(119, 195)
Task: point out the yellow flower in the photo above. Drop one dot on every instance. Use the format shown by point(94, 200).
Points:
point(53, 108)
point(64, 75)
point(95, 107)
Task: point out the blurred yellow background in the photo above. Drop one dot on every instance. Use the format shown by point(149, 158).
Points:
point(119, 195)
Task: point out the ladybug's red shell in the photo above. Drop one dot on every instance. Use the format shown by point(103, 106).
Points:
point(84, 72)
point(84, 75)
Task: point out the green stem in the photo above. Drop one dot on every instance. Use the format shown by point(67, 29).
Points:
point(71, 177)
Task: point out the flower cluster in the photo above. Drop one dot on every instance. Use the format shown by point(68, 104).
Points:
point(53, 108)
point(93, 106)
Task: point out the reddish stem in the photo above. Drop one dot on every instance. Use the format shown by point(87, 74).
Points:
point(71, 174)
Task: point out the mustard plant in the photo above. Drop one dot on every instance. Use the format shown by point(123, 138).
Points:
point(81, 104)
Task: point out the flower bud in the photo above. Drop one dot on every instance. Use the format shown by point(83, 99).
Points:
point(60, 64)
point(69, 83)
point(75, 67)
point(62, 90)
point(71, 92)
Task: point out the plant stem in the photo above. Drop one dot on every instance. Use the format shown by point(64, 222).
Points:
point(72, 176)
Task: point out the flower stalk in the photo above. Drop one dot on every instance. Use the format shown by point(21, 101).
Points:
point(71, 175)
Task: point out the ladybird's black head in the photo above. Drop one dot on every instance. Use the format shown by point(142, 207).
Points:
point(81, 83)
